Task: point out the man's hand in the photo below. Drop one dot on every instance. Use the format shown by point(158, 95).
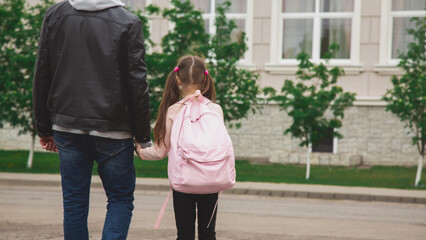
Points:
point(48, 144)
point(138, 149)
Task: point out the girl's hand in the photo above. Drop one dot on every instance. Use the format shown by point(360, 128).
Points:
point(138, 149)
point(48, 144)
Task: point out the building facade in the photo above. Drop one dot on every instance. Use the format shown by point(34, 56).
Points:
point(370, 33)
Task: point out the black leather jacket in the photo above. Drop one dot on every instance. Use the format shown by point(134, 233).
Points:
point(90, 72)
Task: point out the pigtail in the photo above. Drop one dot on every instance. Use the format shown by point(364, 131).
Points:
point(191, 70)
point(208, 89)
point(171, 95)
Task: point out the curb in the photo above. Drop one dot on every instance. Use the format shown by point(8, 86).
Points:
point(325, 192)
point(329, 196)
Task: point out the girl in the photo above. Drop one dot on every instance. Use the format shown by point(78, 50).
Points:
point(190, 75)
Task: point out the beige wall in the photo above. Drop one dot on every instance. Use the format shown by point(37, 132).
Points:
point(366, 83)
point(371, 135)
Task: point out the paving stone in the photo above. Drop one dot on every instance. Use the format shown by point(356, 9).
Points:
point(380, 198)
point(353, 197)
point(408, 200)
point(365, 198)
point(394, 199)
point(239, 191)
point(420, 200)
point(340, 196)
point(290, 194)
point(264, 192)
point(276, 193)
point(315, 195)
point(252, 192)
point(302, 194)
point(328, 195)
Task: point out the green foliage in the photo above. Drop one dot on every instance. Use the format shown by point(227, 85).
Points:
point(186, 37)
point(236, 88)
point(20, 30)
point(311, 97)
point(407, 99)
point(19, 33)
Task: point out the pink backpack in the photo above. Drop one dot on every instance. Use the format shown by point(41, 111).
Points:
point(201, 156)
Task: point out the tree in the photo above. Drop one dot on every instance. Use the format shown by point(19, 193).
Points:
point(407, 99)
point(236, 89)
point(19, 33)
point(309, 98)
point(186, 37)
point(20, 29)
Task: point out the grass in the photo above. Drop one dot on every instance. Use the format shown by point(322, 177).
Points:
point(376, 176)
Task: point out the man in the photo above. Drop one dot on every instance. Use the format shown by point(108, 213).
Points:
point(90, 100)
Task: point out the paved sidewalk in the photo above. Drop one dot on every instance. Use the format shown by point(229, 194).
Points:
point(248, 188)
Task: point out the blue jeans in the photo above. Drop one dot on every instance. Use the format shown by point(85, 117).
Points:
point(77, 152)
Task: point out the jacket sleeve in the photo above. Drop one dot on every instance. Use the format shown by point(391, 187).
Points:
point(41, 84)
point(138, 98)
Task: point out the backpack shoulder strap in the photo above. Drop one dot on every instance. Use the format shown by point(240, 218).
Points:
point(163, 209)
point(214, 209)
point(207, 101)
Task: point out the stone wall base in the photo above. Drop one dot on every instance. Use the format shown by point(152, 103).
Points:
point(371, 136)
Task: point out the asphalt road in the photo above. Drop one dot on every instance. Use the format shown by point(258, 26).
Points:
point(36, 213)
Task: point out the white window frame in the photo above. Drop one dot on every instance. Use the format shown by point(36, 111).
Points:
point(387, 64)
point(150, 24)
point(147, 2)
point(248, 17)
point(278, 65)
point(335, 143)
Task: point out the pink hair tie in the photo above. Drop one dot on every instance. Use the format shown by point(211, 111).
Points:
point(206, 72)
point(176, 69)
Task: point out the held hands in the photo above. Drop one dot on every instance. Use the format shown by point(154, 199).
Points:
point(138, 149)
point(48, 144)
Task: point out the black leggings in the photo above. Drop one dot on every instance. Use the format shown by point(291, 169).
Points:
point(184, 205)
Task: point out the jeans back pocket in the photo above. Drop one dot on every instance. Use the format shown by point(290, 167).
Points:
point(110, 146)
point(63, 139)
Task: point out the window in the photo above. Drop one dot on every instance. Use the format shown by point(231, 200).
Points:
point(326, 143)
point(136, 4)
point(333, 20)
point(400, 18)
point(395, 20)
point(311, 26)
point(240, 10)
point(401, 13)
